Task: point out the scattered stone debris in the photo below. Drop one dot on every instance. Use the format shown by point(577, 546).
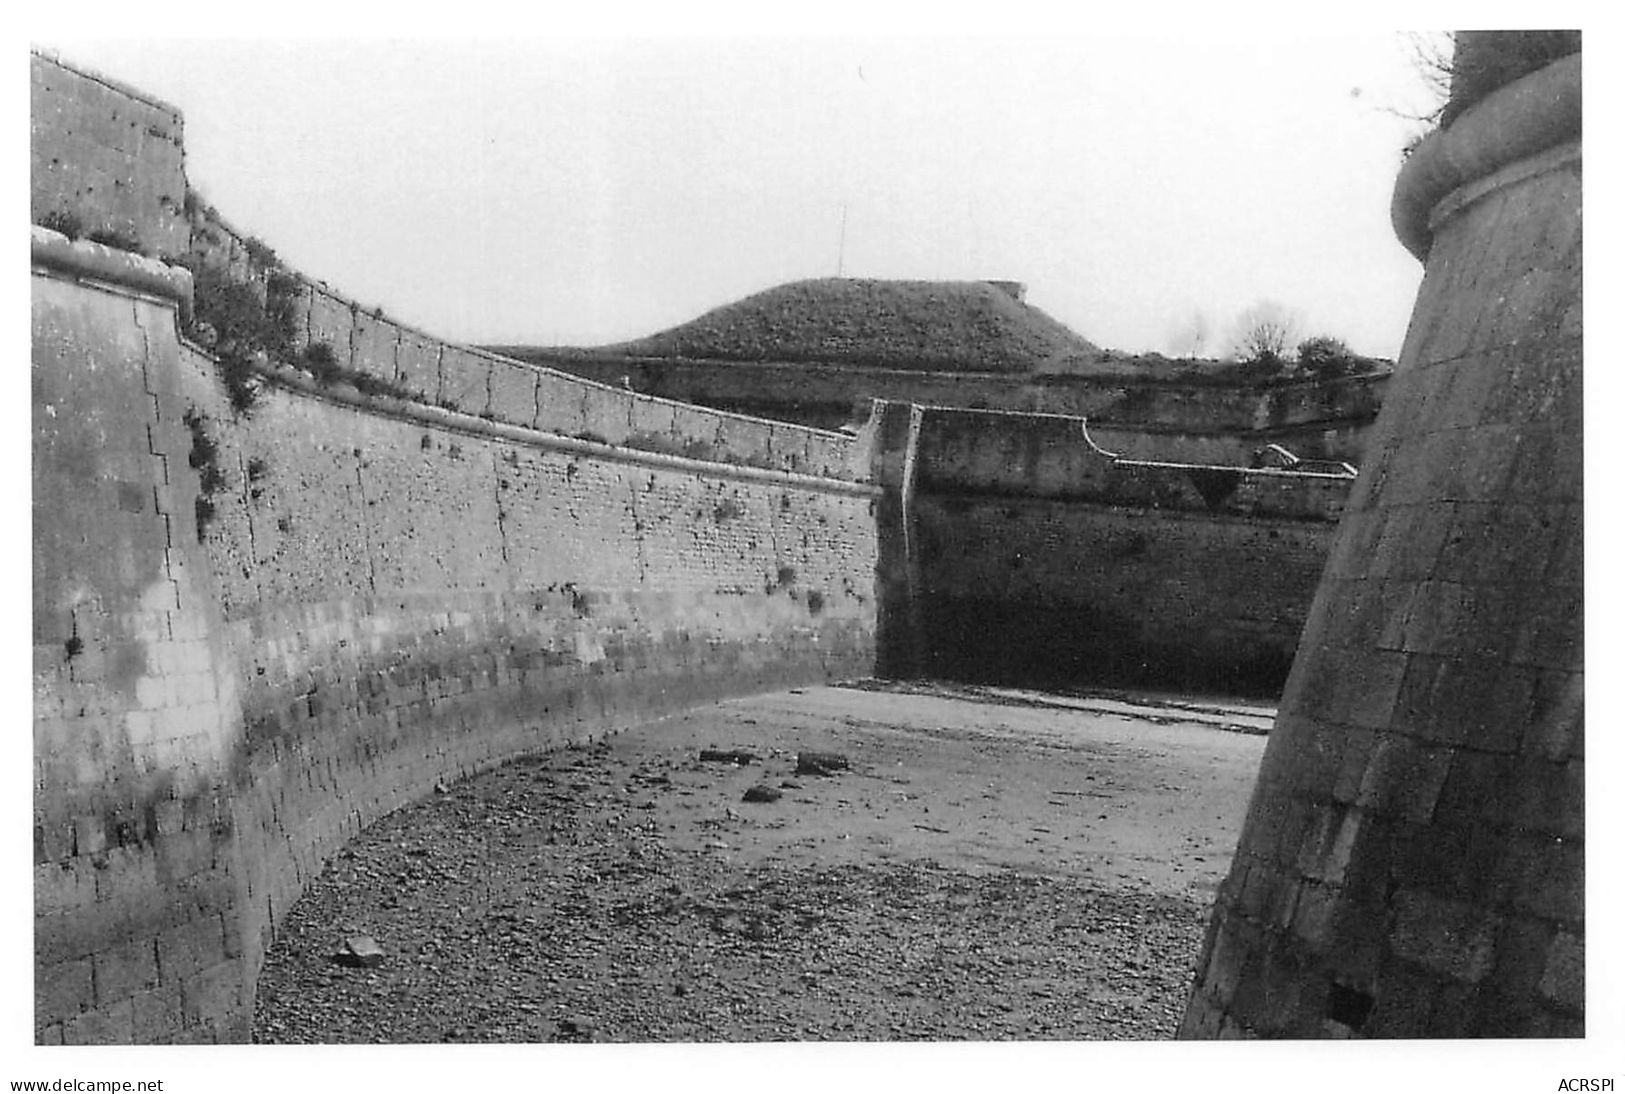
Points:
point(360, 952)
point(790, 924)
point(821, 763)
point(727, 756)
point(763, 793)
point(571, 1029)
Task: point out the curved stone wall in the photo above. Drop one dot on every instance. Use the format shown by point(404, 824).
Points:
point(1413, 860)
point(257, 629)
point(254, 636)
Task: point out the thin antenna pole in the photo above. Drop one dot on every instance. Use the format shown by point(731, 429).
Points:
point(840, 260)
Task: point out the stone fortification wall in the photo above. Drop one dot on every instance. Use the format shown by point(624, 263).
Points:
point(1166, 419)
point(256, 629)
point(413, 365)
point(1413, 860)
point(252, 637)
point(107, 157)
point(108, 163)
point(1035, 558)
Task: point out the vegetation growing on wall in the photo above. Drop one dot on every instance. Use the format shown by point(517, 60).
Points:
point(1262, 351)
point(230, 320)
point(256, 471)
point(368, 384)
point(1463, 67)
point(250, 319)
point(1460, 68)
point(204, 458)
point(72, 225)
point(1284, 369)
point(1264, 333)
point(693, 448)
point(1329, 357)
point(60, 220)
point(317, 359)
point(252, 324)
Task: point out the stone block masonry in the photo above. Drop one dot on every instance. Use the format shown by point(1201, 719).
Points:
point(368, 346)
point(134, 695)
point(1016, 551)
point(1145, 418)
point(82, 127)
point(1413, 862)
point(107, 157)
point(253, 636)
point(256, 632)
point(1039, 592)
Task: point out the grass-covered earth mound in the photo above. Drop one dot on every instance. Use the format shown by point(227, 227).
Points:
point(933, 326)
point(962, 326)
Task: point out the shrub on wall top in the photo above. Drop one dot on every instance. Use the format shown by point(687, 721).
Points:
point(1328, 358)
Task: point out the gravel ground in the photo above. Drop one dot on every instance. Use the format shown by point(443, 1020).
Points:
point(990, 867)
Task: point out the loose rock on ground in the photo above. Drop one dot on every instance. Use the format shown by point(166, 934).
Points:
point(979, 871)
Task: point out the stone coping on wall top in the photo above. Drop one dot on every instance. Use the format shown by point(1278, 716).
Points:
point(472, 425)
point(1524, 118)
point(1240, 433)
point(592, 357)
point(775, 424)
point(52, 253)
point(1286, 474)
point(1009, 379)
point(1513, 173)
point(940, 409)
point(317, 285)
point(1082, 424)
point(89, 261)
point(1250, 472)
point(100, 264)
point(51, 57)
point(1115, 427)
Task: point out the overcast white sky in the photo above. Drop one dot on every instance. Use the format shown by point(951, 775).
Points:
point(588, 189)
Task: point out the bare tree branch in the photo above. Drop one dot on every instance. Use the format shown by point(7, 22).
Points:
point(1264, 332)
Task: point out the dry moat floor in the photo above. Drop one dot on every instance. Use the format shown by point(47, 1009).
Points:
point(993, 865)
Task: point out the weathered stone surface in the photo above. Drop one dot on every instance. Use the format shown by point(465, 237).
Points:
point(821, 763)
point(368, 605)
point(361, 952)
point(727, 756)
point(1206, 423)
point(1443, 879)
point(107, 156)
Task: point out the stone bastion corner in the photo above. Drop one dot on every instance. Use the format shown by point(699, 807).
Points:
point(1413, 860)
